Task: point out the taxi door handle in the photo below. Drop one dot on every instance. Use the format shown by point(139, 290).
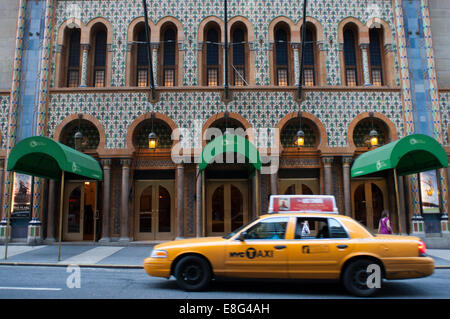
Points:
point(280, 247)
point(342, 246)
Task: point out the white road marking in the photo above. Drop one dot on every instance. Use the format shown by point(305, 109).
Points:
point(91, 256)
point(14, 250)
point(30, 288)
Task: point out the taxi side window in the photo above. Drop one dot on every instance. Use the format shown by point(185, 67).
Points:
point(271, 228)
point(311, 228)
point(317, 228)
point(336, 230)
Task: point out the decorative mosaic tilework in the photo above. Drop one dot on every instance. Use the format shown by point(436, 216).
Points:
point(191, 12)
point(444, 99)
point(4, 109)
point(263, 109)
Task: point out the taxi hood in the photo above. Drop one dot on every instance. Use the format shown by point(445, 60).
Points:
point(190, 242)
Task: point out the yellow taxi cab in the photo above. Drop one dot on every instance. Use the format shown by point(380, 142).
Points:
point(302, 237)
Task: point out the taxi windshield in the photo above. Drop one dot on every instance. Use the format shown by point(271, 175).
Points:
point(237, 230)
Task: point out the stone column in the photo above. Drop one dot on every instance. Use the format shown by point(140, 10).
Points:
point(124, 212)
point(52, 198)
point(155, 47)
point(180, 200)
point(346, 162)
point(84, 64)
point(198, 204)
point(328, 178)
point(365, 61)
point(106, 163)
point(296, 47)
point(274, 183)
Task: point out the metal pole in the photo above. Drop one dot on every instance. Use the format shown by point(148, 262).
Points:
point(226, 85)
point(8, 215)
point(95, 211)
point(149, 54)
point(300, 76)
point(397, 201)
point(203, 203)
point(61, 215)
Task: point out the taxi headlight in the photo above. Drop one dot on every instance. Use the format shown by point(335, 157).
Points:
point(159, 253)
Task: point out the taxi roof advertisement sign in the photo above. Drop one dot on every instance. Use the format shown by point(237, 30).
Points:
point(303, 203)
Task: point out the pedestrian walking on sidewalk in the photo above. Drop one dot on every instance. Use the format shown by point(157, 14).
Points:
point(384, 226)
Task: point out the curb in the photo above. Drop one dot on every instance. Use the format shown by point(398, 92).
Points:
point(72, 264)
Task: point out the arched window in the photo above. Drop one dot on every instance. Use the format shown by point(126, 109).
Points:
point(288, 133)
point(169, 57)
point(212, 57)
point(282, 56)
point(309, 75)
point(99, 67)
point(361, 133)
point(376, 60)
point(351, 56)
point(161, 129)
point(239, 56)
point(141, 57)
point(73, 58)
point(90, 139)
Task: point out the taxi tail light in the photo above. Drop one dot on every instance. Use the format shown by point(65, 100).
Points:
point(422, 248)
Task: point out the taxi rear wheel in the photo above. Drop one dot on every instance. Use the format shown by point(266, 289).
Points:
point(355, 278)
point(193, 273)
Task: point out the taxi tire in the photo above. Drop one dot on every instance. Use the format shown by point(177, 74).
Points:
point(352, 275)
point(195, 267)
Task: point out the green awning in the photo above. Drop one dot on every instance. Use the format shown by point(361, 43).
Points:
point(230, 143)
point(409, 155)
point(43, 157)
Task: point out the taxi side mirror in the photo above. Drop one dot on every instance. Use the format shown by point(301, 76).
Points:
point(242, 236)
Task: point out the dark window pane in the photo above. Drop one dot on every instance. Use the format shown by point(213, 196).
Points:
point(169, 47)
point(74, 48)
point(349, 48)
point(100, 49)
point(309, 48)
point(142, 56)
point(281, 47)
point(374, 47)
point(238, 47)
point(212, 47)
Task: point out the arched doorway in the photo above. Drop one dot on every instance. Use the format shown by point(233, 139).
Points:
point(369, 199)
point(154, 210)
point(304, 186)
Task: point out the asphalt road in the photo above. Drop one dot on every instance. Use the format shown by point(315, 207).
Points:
point(30, 282)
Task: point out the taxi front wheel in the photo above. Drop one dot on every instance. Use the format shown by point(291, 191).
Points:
point(193, 273)
point(355, 278)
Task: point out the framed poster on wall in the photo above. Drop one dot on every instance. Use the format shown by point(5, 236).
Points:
point(429, 192)
point(21, 196)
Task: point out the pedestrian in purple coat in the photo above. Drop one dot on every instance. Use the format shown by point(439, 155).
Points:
point(384, 226)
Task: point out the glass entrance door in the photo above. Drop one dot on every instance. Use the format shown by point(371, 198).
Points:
point(154, 209)
point(79, 211)
point(227, 206)
point(369, 199)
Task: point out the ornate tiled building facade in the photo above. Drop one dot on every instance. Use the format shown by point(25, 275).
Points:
point(338, 112)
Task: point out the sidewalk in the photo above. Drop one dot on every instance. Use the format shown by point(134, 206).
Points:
point(114, 256)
